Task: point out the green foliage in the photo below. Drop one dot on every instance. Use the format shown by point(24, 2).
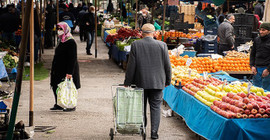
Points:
point(40, 73)
point(9, 62)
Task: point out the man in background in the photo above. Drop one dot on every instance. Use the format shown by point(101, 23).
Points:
point(226, 35)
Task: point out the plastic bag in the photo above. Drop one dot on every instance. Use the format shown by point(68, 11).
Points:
point(67, 94)
point(77, 29)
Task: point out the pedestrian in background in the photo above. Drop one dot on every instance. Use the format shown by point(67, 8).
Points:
point(226, 35)
point(260, 58)
point(149, 68)
point(65, 63)
point(49, 24)
point(89, 20)
point(81, 23)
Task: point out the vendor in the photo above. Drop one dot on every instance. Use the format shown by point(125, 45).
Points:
point(260, 58)
point(226, 37)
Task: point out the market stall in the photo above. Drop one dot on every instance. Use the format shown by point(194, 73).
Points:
point(209, 124)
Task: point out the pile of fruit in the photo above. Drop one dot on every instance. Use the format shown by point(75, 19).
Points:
point(10, 61)
point(243, 105)
point(237, 54)
point(208, 64)
point(122, 34)
point(182, 35)
point(181, 74)
point(112, 31)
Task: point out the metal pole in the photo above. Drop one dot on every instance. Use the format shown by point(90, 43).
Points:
point(57, 10)
point(136, 15)
point(17, 92)
point(164, 12)
point(40, 25)
point(31, 107)
point(22, 10)
point(96, 28)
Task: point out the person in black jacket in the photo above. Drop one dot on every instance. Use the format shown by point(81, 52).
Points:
point(89, 20)
point(67, 17)
point(260, 58)
point(65, 63)
point(49, 24)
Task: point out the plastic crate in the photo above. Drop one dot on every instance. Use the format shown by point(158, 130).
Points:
point(211, 31)
point(209, 46)
point(243, 31)
point(189, 53)
point(244, 19)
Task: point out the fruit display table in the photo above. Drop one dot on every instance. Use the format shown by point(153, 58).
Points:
point(118, 55)
point(207, 123)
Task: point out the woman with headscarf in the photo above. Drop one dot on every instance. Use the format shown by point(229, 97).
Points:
point(65, 62)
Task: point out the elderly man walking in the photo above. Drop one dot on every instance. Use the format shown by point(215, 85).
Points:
point(260, 58)
point(149, 68)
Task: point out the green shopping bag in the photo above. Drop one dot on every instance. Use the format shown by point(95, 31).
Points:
point(67, 94)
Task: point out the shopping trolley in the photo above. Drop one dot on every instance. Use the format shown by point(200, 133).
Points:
point(128, 111)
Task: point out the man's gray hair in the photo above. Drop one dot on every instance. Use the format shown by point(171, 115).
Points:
point(229, 16)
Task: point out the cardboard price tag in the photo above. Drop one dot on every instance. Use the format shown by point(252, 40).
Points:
point(205, 74)
point(189, 72)
point(224, 83)
point(189, 61)
point(249, 87)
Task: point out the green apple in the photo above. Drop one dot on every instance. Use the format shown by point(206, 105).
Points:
point(258, 93)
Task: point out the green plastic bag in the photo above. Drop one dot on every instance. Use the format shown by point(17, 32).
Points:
point(67, 94)
point(157, 27)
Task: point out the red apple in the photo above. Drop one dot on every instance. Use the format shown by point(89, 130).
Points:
point(238, 115)
point(261, 110)
point(265, 116)
point(230, 95)
point(250, 96)
point(247, 111)
point(264, 97)
point(258, 115)
point(254, 111)
point(251, 116)
point(246, 100)
point(241, 94)
point(245, 116)
point(236, 97)
point(267, 111)
point(249, 106)
point(268, 95)
point(255, 106)
point(259, 99)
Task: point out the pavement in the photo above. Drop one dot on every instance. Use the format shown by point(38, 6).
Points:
point(93, 117)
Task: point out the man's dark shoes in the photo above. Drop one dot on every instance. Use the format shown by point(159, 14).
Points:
point(69, 109)
point(154, 135)
point(88, 53)
point(56, 107)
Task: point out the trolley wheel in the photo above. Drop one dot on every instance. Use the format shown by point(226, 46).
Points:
point(111, 133)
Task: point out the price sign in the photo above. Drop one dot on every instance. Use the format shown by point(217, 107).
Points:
point(189, 72)
point(249, 86)
point(224, 83)
point(205, 74)
point(189, 61)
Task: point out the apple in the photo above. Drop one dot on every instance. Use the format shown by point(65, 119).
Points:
point(249, 106)
point(255, 106)
point(241, 94)
point(230, 95)
point(263, 106)
point(236, 97)
point(250, 96)
point(267, 111)
point(238, 115)
point(265, 116)
point(245, 116)
point(261, 110)
point(247, 111)
point(254, 111)
point(246, 100)
point(251, 116)
point(268, 95)
point(258, 115)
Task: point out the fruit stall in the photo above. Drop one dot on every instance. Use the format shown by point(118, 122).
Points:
point(214, 104)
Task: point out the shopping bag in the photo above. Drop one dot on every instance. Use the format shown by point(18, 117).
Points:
point(67, 94)
point(77, 29)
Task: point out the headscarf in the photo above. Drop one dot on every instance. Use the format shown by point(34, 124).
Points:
point(67, 35)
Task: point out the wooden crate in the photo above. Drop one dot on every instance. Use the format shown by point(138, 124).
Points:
point(187, 9)
point(189, 18)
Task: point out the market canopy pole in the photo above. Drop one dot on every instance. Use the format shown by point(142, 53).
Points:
point(31, 105)
point(164, 12)
point(17, 92)
point(96, 28)
point(57, 10)
point(136, 16)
